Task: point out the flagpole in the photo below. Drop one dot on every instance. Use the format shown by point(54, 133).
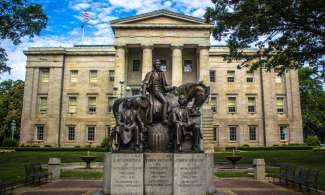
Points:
point(83, 33)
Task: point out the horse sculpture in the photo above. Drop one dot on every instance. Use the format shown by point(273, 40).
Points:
point(149, 109)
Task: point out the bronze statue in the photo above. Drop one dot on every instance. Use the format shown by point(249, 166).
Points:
point(185, 127)
point(142, 121)
point(128, 131)
point(155, 83)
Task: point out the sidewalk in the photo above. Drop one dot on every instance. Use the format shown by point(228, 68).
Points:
point(90, 187)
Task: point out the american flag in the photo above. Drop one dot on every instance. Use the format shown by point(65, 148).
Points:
point(86, 16)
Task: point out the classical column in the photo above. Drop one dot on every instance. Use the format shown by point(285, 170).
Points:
point(177, 66)
point(119, 66)
point(146, 60)
point(207, 115)
point(204, 64)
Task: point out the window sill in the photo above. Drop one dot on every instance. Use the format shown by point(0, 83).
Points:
point(251, 112)
point(230, 141)
point(91, 112)
point(252, 141)
point(90, 142)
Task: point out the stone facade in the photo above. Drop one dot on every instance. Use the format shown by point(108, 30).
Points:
point(83, 81)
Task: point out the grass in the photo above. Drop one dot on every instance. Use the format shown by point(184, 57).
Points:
point(87, 175)
point(307, 159)
point(12, 164)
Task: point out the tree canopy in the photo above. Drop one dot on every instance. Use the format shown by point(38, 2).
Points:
point(288, 34)
point(312, 103)
point(18, 19)
point(11, 103)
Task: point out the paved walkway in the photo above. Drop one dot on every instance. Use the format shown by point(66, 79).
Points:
point(224, 186)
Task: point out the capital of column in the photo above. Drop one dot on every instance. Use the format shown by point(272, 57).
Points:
point(147, 46)
point(120, 46)
point(176, 47)
point(204, 47)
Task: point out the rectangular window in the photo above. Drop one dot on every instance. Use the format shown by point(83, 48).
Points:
point(252, 133)
point(251, 104)
point(280, 101)
point(111, 75)
point(71, 133)
point(40, 132)
point(110, 104)
point(136, 92)
point(136, 65)
point(231, 104)
point(188, 65)
point(93, 75)
point(212, 76)
point(231, 76)
point(44, 74)
point(216, 134)
point(73, 75)
point(91, 133)
point(92, 104)
point(163, 65)
point(42, 104)
point(72, 104)
point(213, 104)
point(284, 133)
point(233, 133)
point(250, 77)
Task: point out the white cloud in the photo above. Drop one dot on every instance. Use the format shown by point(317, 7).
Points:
point(81, 6)
point(98, 28)
point(198, 13)
point(17, 59)
point(167, 4)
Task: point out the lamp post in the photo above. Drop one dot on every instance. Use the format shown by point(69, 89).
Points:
point(122, 92)
point(127, 89)
point(13, 129)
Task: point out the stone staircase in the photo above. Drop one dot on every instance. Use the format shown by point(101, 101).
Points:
point(207, 129)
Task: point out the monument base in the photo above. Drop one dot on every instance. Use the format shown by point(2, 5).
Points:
point(158, 173)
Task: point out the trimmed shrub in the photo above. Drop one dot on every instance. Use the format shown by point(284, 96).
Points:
point(272, 148)
point(312, 140)
point(46, 149)
point(105, 142)
point(8, 142)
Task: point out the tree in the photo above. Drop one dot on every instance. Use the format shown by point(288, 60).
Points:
point(312, 101)
point(11, 104)
point(18, 19)
point(288, 34)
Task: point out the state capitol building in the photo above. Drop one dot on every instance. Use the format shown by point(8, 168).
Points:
point(69, 91)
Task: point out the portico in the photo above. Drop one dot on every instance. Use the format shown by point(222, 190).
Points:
point(161, 35)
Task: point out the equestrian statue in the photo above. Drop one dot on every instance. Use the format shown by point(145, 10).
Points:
point(162, 119)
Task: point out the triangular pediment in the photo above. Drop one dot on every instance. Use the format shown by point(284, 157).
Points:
point(160, 17)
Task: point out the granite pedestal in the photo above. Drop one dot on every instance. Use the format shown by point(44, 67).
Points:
point(158, 173)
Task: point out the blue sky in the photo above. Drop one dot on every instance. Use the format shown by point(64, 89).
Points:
point(65, 18)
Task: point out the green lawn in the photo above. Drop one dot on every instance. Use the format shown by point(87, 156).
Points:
point(12, 164)
point(307, 158)
point(87, 175)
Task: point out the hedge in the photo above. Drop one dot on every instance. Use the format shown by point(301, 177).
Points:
point(48, 149)
point(271, 148)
